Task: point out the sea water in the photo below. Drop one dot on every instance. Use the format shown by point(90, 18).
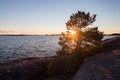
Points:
point(15, 47)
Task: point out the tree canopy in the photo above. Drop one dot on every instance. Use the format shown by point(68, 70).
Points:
point(79, 36)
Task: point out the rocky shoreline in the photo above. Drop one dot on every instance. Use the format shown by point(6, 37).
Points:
point(24, 69)
point(105, 65)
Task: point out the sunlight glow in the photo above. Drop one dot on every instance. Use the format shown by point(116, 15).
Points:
point(72, 32)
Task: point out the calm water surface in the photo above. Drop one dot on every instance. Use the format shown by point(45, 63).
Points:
point(14, 47)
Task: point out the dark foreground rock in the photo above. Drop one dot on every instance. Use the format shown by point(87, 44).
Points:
point(111, 44)
point(24, 69)
point(103, 66)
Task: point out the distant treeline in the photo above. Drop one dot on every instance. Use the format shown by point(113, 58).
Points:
point(112, 34)
point(28, 35)
point(115, 34)
point(47, 34)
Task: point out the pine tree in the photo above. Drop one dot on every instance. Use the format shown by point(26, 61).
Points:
point(79, 40)
point(80, 37)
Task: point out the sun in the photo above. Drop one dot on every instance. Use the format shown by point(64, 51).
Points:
point(72, 32)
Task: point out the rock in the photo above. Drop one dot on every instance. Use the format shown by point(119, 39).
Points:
point(103, 66)
point(111, 44)
point(24, 69)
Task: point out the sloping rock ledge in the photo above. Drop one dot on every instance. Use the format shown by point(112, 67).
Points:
point(103, 66)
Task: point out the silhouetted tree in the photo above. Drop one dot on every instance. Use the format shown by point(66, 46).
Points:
point(77, 42)
point(84, 39)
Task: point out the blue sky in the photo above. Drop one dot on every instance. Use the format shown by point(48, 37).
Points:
point(50, 16)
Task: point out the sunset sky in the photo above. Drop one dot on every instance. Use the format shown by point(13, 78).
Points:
point(50, 16)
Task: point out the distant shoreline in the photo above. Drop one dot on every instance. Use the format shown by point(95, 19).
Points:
point(29, 35)
point(113, 34)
